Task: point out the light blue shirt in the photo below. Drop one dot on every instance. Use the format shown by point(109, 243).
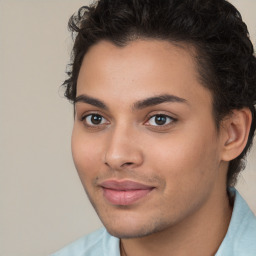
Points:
point(240, 239)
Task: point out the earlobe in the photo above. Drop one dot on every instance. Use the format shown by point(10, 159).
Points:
point(236, 130)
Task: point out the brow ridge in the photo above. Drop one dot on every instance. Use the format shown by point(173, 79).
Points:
point(148, 102)
point(152, 101)
point(90, 100)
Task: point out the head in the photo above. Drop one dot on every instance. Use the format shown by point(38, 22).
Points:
point(204, 48)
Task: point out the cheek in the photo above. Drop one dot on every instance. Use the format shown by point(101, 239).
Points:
point(86, 154)
point(187, 159)
point(188, 166)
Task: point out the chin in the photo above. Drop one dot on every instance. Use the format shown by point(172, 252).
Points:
point(129, 231)
point(129, 234)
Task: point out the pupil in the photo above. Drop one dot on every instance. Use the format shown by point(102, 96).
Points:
point(96, 119)
point(160, 120)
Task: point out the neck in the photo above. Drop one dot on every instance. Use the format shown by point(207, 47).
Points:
point(198, 235)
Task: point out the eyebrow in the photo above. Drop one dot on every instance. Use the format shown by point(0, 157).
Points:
point(152, 101)
point(90, 100)
point(148, 102)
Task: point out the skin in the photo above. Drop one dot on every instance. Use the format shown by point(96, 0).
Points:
point(185, 159)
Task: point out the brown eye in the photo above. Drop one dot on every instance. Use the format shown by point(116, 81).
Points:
point(94, 119)
point(159, 120)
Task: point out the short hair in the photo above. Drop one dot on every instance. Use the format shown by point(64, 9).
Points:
point(224, 53)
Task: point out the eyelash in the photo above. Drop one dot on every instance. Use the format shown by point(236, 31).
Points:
point(172, 120)
point(93, 126)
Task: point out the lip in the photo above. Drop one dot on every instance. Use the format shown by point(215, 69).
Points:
point(124, 192)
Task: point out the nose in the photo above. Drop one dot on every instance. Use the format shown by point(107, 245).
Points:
point(123, 149)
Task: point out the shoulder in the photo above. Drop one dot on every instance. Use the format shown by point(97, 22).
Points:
point(241, 236)
point(94, 244)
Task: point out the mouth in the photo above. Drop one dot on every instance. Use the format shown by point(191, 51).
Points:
point(124, 192)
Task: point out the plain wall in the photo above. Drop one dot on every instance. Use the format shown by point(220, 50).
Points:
point(43, 205)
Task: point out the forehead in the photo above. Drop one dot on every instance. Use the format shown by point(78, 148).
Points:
point(141, 69)
point(137, 58)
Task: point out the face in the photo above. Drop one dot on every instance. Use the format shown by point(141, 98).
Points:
point(144, 140)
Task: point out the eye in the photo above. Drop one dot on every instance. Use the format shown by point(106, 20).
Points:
point(160, 120)
point(94, 120)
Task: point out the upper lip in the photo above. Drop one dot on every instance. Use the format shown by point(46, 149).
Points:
point(124, 185)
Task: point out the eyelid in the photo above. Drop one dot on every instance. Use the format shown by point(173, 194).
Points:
point(82, 116)
point(168, 119)
point(93, 127)
point(161, 113)
point(160, 128)
point(103, 118)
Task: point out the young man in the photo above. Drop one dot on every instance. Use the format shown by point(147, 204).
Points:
point(164, 95)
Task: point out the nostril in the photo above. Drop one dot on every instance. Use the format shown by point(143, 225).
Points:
point(127, 164)
point(107, 164)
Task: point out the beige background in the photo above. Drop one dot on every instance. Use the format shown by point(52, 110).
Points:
point(43, 205)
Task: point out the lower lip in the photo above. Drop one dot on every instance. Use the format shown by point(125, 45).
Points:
point(127, 197)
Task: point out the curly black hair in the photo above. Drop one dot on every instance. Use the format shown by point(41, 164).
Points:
point(224, 52)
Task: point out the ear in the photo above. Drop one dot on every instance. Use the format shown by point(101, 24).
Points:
point(235, 131)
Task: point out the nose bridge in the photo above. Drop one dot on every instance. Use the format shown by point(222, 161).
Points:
point(122, 147)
